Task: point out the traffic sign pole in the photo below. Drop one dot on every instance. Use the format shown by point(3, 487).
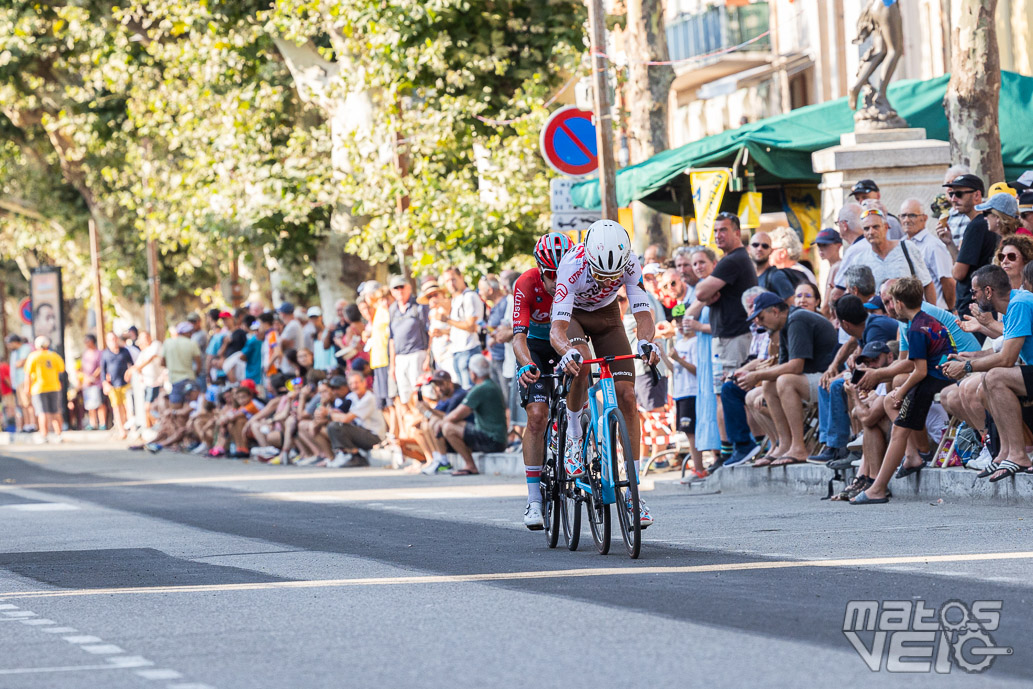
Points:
point(603, 117)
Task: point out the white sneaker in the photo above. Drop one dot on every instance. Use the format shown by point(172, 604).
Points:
point(533, 518)
point(857, 443)
point(265, 452)
point(435, 466)
point(339, 460)
point(572, 464)
point(307, 461)
point(38, 439)
point(645, 518)
point(200, 449)
point(982, 461)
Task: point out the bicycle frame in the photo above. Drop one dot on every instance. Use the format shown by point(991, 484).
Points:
point(600, 429)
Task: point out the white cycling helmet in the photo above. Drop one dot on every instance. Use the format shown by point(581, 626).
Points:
point(607, 247)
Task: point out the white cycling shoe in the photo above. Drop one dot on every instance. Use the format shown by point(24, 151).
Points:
point(645, 518)
point(572, 464)
point(533, 518)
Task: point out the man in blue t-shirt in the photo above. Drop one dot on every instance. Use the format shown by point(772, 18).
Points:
point(1009, 388)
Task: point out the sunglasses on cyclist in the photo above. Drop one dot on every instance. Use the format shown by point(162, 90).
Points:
point(550, 274)
point(606, 277)
point(1002, 257)
point(760, 245)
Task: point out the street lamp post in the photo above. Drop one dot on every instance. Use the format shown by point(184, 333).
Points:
point(603, 113)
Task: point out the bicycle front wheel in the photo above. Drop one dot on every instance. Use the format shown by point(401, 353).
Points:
point(622, 454)
point(598, 511)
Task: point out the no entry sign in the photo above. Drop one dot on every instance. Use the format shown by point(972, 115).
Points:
point(25, 311)
point(568, 142)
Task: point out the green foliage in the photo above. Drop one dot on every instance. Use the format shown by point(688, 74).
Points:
point(180, 120)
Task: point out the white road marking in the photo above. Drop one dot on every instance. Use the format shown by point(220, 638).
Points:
point(60, 630)
point(125, 662)
point(38, 621)
point(159, 674)
point(83, 639)
point(41, 507)
point(8, 606)
point(102, 649)
point(20, 613)
point(189, 686)
point(64, 668)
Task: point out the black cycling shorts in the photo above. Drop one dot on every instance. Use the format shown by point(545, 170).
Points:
point(545, 358)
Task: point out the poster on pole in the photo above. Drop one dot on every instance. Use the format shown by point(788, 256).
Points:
point(708, 190)
point(48, 315)
point(802, 206)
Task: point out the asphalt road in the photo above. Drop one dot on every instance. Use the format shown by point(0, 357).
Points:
point(126, 570)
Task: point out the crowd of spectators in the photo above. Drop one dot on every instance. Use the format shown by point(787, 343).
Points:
point(921, 325)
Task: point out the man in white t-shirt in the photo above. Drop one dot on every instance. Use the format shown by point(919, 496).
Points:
point(290, 338)
point(148, 367)
point(467, 313)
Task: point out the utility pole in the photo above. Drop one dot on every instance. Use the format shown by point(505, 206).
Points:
point(3, 310)
point(98, 299)
point(603, 112)
point(157, 314)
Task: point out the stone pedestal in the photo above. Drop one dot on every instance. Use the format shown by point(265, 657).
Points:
point(901, 161)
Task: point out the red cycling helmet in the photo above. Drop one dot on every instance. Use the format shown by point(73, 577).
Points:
point(549, 249)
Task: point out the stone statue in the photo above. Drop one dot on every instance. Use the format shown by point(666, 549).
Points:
point(880, 20)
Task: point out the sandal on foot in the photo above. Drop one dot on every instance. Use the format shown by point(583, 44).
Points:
point(904, 471)
point(863, 499)
point(786, 461)
point(1009, 468)
point(764, 461)
point(990, 469)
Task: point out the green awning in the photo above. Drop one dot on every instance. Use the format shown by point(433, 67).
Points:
point(780, 147)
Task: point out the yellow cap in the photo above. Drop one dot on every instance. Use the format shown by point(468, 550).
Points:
point(1002, 187)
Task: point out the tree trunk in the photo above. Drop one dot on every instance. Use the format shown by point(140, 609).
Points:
point(648, 90)
point(337, 273)
point(973, 93)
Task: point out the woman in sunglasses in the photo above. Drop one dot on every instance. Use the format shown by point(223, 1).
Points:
point(1013, 255)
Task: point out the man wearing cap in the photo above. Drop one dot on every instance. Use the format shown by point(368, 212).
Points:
point(978, 243)
point(829, 245)
point(449, 397)
point(868, 190)
point(409, 346)
point(467, 310)
point(890, 259)
point(290, 338)
point(43, 369)
point(807, 344)
point(937, 259)
point(313, 326)
point(182, 358)
point(115, 362)
point(1026, 212)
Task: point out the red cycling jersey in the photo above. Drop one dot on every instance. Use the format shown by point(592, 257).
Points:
point(532, 306)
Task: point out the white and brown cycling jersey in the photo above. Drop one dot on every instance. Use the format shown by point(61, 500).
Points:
point(577, 289)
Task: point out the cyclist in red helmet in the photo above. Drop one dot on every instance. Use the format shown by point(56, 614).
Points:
point(532, 306)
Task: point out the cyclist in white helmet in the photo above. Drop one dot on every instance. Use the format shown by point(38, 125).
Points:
point(585, 308)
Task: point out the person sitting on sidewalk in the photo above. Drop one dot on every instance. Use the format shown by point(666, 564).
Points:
point(807, 343)
point(1007, 385)
point(447, 397)
point(833, 414)
point(487, 431)
point(868, 410)
point(355, 432)
point(929, 345)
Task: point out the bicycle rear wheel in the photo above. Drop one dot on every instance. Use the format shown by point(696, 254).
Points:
point(598, 511)
point(550, 494)
point(625, 484)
